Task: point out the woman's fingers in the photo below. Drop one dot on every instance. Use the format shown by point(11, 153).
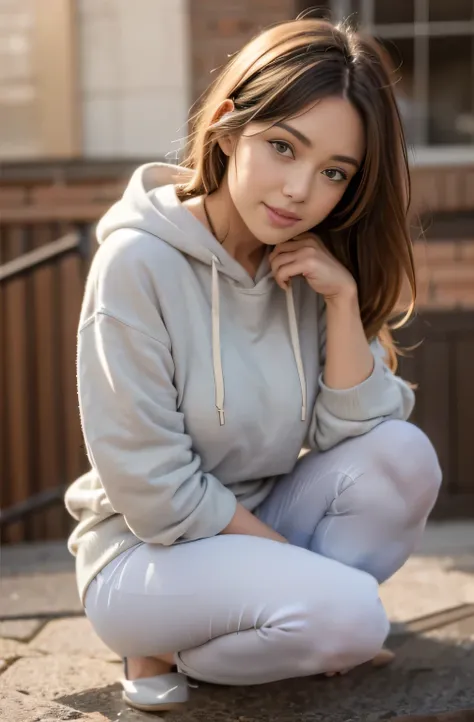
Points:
point(295, 245)
point(287, 271)
point(282, 259)
point(306, 255)
point(306, 240)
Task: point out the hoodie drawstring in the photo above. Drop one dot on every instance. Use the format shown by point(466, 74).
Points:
point(295, 342)
point(216, 345)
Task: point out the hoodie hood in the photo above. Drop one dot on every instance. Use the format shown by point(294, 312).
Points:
point(150, 204)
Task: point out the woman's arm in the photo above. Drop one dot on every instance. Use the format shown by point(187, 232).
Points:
point(349, 360)
point(134, 433)
point(136, 440)
point(357, 390)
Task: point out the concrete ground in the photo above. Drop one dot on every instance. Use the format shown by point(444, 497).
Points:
point(53, 667)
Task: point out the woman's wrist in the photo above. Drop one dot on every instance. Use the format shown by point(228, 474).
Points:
point(346, 299)
point(349, 359)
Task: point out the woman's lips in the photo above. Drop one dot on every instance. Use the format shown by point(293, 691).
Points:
point(278, 219)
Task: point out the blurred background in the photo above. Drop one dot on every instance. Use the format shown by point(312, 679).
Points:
point(89, 89)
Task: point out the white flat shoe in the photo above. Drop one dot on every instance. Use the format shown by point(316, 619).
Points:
point(162, 693)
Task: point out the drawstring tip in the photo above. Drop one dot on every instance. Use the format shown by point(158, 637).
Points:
point(221, 416)
point(303, 413)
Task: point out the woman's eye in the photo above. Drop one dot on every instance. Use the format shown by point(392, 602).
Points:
point(281, 148)
point(335, 174)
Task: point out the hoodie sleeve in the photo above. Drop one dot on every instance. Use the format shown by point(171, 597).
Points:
point(134, 433)
point(340, 414)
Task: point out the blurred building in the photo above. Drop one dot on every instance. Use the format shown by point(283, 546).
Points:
point(92, 78)
point(91, 88)
point(115, 78)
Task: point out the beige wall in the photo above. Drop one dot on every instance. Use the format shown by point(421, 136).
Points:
point(133, 76)
point(18, 93)
point(38, 99)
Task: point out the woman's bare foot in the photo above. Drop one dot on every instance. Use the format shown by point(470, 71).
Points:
point(382, 659)
point(141, 667)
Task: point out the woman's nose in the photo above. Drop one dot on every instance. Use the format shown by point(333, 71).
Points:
point(298, 186)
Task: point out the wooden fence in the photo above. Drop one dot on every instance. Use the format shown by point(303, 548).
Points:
point(442, 366)
point(47, 216)
point(41, 286)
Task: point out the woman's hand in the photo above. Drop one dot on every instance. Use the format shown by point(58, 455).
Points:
point(244, 522)
point(306, 256)
point(349, 360)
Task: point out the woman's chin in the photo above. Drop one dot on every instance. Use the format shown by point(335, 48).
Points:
point(272, 237)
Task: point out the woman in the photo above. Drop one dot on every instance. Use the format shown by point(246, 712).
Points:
point(236, 313)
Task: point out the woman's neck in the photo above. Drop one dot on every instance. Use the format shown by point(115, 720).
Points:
point(229, 228)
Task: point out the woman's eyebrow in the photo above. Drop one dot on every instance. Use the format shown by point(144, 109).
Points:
point(346, 159)
point(306, 141)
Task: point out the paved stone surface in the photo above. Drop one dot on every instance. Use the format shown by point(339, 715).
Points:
point(39, 594)
point(432, 672)
point(63, 688)
point(22, 630)
point(444, 538)
point(66, 673)
point(53, 676)
point(23, 707)
point(426, 585)
point(72, 636)
point(459, 716)
point(41, 558)
point(12, 649)
point(430, 650)
point(37, 579)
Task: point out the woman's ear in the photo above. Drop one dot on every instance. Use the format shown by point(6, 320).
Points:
point(226, 142)
point(224, 108)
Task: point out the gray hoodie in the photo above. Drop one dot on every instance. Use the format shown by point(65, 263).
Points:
point(198, 385)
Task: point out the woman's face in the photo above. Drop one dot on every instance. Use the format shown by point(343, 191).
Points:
point(286, 178)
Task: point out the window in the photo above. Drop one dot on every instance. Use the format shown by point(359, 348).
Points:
point(37, 88)
point(432, 45)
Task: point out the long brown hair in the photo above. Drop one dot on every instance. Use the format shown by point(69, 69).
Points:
point(278, 74)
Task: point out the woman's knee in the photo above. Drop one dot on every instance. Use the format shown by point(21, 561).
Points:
point(407, 462)
point(348, 631)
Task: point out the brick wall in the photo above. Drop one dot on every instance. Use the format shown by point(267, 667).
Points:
point(443, 188)
point(445, 272)
point(219, 28)
point(445, 267)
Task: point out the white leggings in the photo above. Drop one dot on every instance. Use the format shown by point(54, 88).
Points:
point(241, 610)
